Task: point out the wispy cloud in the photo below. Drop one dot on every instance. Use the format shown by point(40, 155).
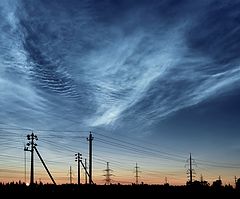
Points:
point(73, 60)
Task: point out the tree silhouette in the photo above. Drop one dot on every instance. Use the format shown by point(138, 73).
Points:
point(238, 184)
point(217, 184)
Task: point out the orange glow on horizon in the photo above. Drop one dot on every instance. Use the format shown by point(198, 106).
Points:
point(44, 178)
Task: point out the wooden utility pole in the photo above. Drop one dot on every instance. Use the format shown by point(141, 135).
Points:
point(90, 139)
point(78, 160)
point(31, 144)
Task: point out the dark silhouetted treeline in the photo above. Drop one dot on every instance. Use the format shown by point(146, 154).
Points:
point(194, 189)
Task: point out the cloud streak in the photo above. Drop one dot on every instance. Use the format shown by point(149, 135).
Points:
point(85, 63)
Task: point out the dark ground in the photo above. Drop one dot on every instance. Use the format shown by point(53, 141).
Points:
point(115, 191)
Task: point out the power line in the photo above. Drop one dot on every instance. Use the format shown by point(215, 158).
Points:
point(141, 147)
point(138, 150)
point(103, 142)
point(202, 162)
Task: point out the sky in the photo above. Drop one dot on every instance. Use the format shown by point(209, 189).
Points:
point(153, 80)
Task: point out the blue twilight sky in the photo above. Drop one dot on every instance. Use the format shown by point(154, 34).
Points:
point(153, 79)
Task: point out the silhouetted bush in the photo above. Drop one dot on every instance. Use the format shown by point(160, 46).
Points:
point(238, 184)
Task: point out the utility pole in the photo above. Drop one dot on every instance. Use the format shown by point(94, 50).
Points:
point(32, 145)
point(85, 171)
point(70, 173)
point(90, 139)
point(25, 166)
point(108, 174)
point(190, 168)
point(136, 172)
point(78, 160)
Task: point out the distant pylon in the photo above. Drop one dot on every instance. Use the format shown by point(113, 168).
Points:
point(166, 180)
point(70, 173)
point(136, 173)
point(190, 171)
point(201, 178)
point(108, 174)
